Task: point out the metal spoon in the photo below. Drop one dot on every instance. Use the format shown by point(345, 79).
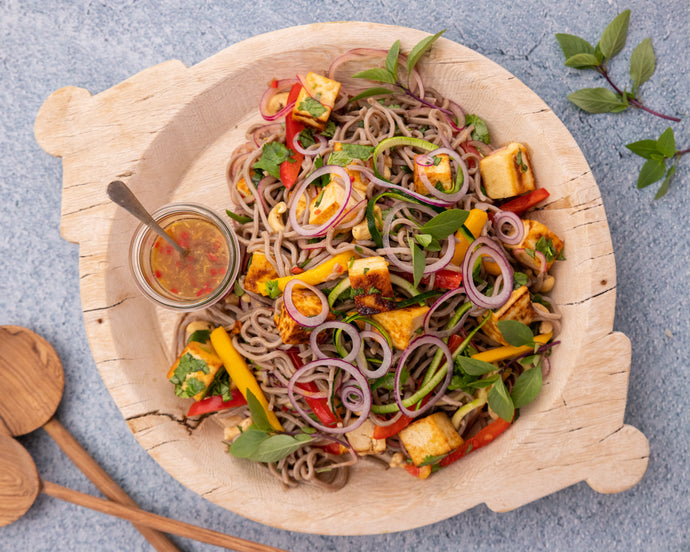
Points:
point(125, 198)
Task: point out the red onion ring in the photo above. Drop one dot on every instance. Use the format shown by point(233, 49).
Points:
point(387, 355)
point(349, 329)
point(423, 340)
point(281, 86)
point(360, 380)
point(436, 305)
point(293, 311)
point(385, 184)
point(514, 221)
point(443, 261)
point(310, 230)
point(310, 152)
point(542, 261)
point(353, 54)
point(486, 246)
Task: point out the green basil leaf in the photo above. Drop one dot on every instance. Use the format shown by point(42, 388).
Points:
point(424, 239)
point(573, 45)
point(597, 100)
point(666, 144)
point(474, 367)
point(615, 34)
point(582, 61)
point(421, 48)
point(279, 446)
point(481, 130)
point(392, 59)
point(651, 171)
point(500, 402)
point(247, 443)
point(644, 148)
point(272, 155)
point(202, 336)
point(376, 74)
point(642, 63)
point(371, 92)
point(418, 262)
point(527, 387)
point(663, 189)
point(258, 413)
point(444, 224)
point(515, 332)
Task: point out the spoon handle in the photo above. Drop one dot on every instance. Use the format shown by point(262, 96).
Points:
point(154, 520)
point(77, 454)
point(120, 193)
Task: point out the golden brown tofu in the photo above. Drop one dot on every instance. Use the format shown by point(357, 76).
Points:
point(260, 271)
point(306, 303)
point(534, 231)
point(401, 324)
point(518, 307)
point(363, 442)
point(194, 371)
point(437, 173)
point(507, 172)
point(326, 204)
point(360, 232)
point(313, 108)
point(430, 437)
point(371, 282)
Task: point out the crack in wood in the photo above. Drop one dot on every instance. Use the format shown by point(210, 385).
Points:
point(109, 306)
point(575, 303)
point(188, 424)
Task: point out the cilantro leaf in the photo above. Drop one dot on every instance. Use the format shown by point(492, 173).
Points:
point(348, 153)
point(272, 289)
point(481, 131)
point(202, 336)
point(312, 106)
point(272, 155)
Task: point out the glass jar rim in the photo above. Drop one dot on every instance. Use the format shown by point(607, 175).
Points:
point(142, 232)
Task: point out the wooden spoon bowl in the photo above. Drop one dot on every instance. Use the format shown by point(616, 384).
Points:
point(19, 481)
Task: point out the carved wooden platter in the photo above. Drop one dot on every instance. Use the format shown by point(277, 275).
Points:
point(168, 132)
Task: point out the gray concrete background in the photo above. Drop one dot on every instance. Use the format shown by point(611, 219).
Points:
point(97, 44)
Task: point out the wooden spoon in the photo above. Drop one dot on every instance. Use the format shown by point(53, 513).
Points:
point(32, 369)
point(20, 485)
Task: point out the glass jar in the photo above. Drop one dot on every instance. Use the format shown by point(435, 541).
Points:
point(200, 278)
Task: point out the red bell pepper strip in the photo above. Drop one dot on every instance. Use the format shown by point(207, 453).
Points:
point(319, 407)
point(484, 437)
point(445, 279)
point(469, 148)
point(215, 403)
point(454, 341)
point(383, 432)
point(419, 471)
point(289, 170)
point(524, 202)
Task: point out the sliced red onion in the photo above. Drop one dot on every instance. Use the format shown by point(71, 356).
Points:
point(514, 221)
point(310, 152)
point(486, 246)
point(295, 314)
point(542, 261)
point(258, 134)
point(420, 341)
point(350, 390)
point(440, 301)
point(281, 86)
point(443, 261)
point(349, 329)
point(359, 380)
point(423, 160)
point(385, 184)
point(461, 166)
point(387, 355)
point(310, 230)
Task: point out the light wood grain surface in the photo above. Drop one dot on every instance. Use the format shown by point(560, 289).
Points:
point(168, 132)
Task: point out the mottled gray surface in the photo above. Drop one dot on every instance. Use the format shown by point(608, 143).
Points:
point(97, 44)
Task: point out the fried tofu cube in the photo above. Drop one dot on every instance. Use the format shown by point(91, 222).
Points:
point(438, 172)
point(363, 442)
point(307, 303)
point(194, 371)
point(260, 271)
point(518, 307)
point(371, 282)
point(313, 108)
point(360, 232)
point(430, 437)
point(326, 204)
point(401, 324)
point(534, 232)
point(507, 172)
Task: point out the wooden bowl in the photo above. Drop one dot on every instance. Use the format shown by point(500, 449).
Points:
point(169, 130)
